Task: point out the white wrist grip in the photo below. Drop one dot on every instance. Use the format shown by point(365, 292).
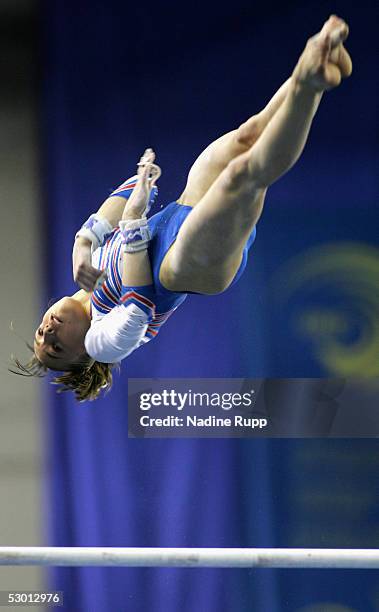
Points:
point(135, 234)
point(96, 229)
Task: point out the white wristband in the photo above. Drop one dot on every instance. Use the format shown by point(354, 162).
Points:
point(135, 234)
point(96, 229)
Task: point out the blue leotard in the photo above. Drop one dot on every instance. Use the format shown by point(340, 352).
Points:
point(164, 227)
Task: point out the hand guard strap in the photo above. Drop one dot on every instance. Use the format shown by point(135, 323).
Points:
point(135, 234)
point(95, 229)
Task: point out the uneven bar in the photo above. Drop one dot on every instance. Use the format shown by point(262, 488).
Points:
point(191, 557)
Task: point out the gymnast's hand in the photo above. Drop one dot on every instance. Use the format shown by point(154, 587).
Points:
point(148, 174)
point(85, 275)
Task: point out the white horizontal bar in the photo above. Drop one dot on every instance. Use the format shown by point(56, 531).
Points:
point(191, 557)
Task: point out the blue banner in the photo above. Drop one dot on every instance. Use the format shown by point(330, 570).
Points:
point(118, 78)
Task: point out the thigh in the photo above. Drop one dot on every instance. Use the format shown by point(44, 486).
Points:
point(209, 165)
point(195, 278)
point(215, 158)
point(209, 246)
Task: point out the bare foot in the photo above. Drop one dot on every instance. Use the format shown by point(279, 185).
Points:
point(325, 61)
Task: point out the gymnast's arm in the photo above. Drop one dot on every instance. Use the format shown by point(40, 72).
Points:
point(112, 209)
point(115, 335)
point(85, 275)
point(110, 213)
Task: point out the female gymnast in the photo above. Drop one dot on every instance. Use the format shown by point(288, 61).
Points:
point(134, 272)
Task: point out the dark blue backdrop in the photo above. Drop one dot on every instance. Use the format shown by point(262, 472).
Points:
point(118, 78)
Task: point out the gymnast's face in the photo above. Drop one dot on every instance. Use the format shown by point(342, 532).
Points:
point(59, 339)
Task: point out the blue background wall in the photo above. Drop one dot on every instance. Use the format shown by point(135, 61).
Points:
point(116, 79)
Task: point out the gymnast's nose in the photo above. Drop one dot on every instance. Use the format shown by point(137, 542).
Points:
point(50, 327)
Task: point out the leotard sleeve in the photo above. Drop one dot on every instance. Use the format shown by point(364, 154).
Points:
point(118, 333)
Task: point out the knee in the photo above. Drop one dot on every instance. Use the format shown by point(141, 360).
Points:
point(237, 173)
point(249, 131)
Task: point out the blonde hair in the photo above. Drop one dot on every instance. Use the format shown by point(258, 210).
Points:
point(85, 380)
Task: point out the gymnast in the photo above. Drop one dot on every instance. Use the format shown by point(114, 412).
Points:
point(134, 272)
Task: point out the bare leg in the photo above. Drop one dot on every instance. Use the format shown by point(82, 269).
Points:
point(212, 161)
point(219, 153)
point(208, 249)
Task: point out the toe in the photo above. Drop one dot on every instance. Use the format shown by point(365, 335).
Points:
point(339, 34)
point(342, 59)
point(337, 28)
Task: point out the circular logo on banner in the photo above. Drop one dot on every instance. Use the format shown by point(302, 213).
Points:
point(330, 293)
